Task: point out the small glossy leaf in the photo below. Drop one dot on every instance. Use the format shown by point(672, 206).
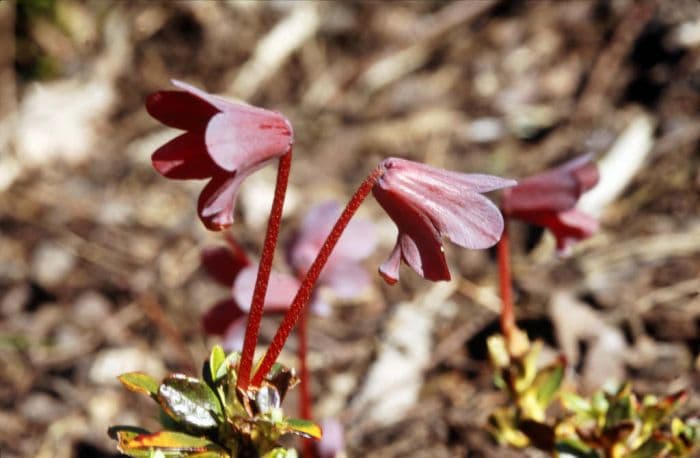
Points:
point(170, 441)
point(189, 400)
point(575, 403)
point(216, 359)
point(227, 367)
point(548, 381)
point(303, 428)
point(139, 383)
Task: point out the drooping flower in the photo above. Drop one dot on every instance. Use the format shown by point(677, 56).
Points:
point(224, 141)
point(549, 199)
point(343, 272)
point(230, 267)
point(427, 203)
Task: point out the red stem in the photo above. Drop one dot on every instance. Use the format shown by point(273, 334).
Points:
point(268, 252)
point(304, 293)
point(507, 315)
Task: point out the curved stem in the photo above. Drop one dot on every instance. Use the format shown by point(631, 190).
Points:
point(507, 318)
point(268, 252)
point(304, 293)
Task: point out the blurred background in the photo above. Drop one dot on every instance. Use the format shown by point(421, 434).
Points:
point(99, 255)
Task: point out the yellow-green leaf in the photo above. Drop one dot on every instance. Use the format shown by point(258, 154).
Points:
point(139, 383)
point(303, 428)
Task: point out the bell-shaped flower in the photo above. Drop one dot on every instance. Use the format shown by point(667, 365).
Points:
point(427, 203)
point(343, 273)
point(549, 199)
point(230, 267)
point(224, 142)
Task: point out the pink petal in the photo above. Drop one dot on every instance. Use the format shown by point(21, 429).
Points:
point(472, 221)
point(347, 279)
point(553, 190)
point(217, 200)
point(235, 335)
point(389, 270)
point(281, 289)
point(568, 227)
point(223, 264)
point(419, 240)
point(220, 316)
point(444, 180)
point(240, 138)
point(180, 110)
point(357, 242)
point(184, 157)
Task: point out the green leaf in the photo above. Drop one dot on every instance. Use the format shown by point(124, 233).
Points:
point(651, 448)
point(169, 442)
point(619, 411)
point(139, 383)
point(191, 401)
point(575, 403)
point(230, 362)
point(216, 359)
point(548, 381)
point(303, 428)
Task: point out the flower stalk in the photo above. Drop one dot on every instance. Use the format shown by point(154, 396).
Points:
point(305, 289)
point(268, 251)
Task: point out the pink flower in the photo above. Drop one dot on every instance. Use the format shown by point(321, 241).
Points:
point(549, 199)
point(427, 203)
point(230, 267)
point(224, 141)
point(343, 273)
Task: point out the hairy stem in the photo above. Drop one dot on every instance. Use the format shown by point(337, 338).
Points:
point(304, 293)
point(268, 252)
point(507, 318)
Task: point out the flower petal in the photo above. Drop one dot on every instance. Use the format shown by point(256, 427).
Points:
point(180, 110)
point(419, 239)
point(347, 279)
point(217, 200)
point(184, 157)
point(241, 138)
point(234, 336)
point(218, 318)
point(389, 270)
point(474, 222)
point(223, 264)
point(281, 289)
point(553, 190)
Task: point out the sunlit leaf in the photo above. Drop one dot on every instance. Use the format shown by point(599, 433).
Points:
point(652, 448)
point(190, 401)
point(548, 381)
point(139, 383)
point(216, 359)
point(575, 403)
point(170, 441)
point(303, 428)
